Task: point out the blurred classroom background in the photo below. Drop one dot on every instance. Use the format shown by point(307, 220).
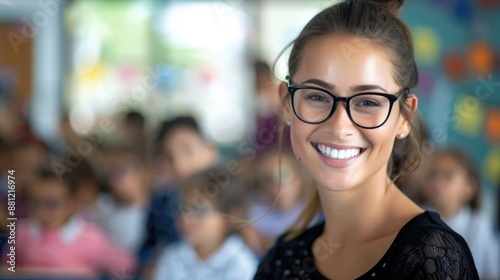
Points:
point(98, 81)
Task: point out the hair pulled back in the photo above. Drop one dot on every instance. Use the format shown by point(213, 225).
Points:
point(376, 23)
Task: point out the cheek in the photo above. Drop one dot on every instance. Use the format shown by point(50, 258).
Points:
point(380, 141)
point(299, 136)
point(383, 138)
point(459, 186)
point(211, 226)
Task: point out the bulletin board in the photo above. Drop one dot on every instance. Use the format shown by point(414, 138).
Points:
point(15, 63)
point(457, 50)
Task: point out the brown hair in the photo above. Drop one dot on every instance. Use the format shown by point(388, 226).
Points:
point(47, 175)
point(377, 23)
point(469, 165)
point(216, 186)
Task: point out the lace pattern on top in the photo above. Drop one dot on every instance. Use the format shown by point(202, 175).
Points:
point(425, 248)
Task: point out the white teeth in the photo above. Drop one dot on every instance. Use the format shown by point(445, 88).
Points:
point(348, 153)
point(342, 154)
point(338, 154)
point(333, 154)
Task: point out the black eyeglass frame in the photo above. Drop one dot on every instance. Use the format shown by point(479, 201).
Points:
point(336, 99)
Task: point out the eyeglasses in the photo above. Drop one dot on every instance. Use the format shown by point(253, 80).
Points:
point(315, 105)
point(435, 174)
point(198, 210)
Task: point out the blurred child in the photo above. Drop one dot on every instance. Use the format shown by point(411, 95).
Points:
point(123, 212)
point(134, 133)
point(288, 196)
point(453, 191)
point(25, 156)
point(55, 242)
point(182, 151)
point(267, 108)
point(185, 148)
point(87, 190)
point(211, 249)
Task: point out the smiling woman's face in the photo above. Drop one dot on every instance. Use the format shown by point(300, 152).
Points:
point(340, 65)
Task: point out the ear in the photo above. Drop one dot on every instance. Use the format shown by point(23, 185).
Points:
point(405, 126)
point(286, 107)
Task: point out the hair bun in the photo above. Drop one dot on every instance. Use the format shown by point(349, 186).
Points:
point(391, 5)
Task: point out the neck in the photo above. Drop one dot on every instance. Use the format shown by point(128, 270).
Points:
point(354, 213)
point(58, 224)
point(205, 250)
point(448, 212)
point(137, 199)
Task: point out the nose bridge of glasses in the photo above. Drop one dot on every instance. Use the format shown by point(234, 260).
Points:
point(340, 99)
point(340, 116)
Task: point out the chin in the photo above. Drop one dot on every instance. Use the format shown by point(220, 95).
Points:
point(327, 179)
point(336, 187)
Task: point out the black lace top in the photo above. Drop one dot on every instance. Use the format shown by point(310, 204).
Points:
point(424, 248)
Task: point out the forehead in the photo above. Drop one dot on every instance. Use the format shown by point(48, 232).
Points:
point(446, 161)
point(344, 62)
point(196, 197)
point(181, 133)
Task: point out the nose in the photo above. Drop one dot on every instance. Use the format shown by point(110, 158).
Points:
point(339, 124)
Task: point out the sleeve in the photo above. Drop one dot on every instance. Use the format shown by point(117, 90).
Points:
point(166, 267)
point(149, 236)
point(245, 267)
point(435, 253)
point(490, 249)
point(160, 223)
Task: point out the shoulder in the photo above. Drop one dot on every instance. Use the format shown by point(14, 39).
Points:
point(170, 263)
point(162, 200)
point(303, 242)
point(105, 204)
point(241, 256)
point(173, 253)
point(91, 232)
point(426, 247)
point(427, 229)
point(26, 229)
point(175, 248)
point(236, 259)
point(481, 221)
point(286, 256)
point(239, 249)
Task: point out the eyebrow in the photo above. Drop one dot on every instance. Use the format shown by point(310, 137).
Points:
point(357, 88)
point(320, 83)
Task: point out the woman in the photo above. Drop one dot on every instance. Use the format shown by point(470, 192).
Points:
point(355, 129)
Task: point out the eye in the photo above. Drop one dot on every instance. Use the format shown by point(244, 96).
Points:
point(201, 210)
point(317, 98)
point(368, 103)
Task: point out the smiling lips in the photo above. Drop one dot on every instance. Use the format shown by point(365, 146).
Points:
point(337, 153)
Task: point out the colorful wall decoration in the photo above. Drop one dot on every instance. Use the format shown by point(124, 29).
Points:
point(458, 54)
